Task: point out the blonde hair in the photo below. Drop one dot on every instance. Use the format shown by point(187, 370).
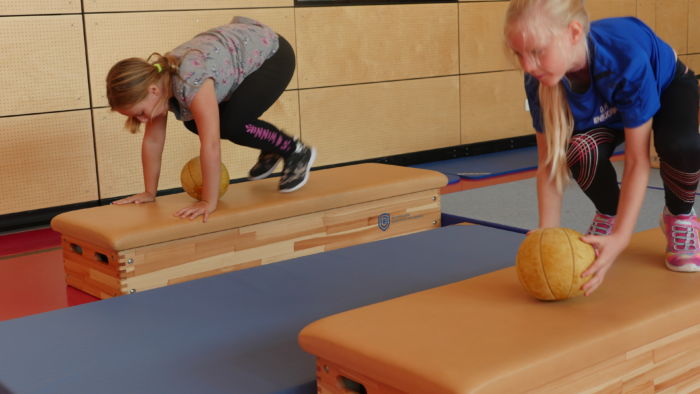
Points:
point(128, 81)
point(557, 118)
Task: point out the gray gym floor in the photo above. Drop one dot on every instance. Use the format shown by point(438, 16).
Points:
point(515, 204)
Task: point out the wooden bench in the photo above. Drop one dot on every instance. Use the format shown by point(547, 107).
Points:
point(114, 250)
point(640, 332)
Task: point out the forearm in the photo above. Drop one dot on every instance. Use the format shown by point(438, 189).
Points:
point(634, 182)
point(548, 200)
point(151, 156)
point(205, 111)
point(210, 157)
point(634, 179)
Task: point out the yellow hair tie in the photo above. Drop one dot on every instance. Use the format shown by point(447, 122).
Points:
point(158, 67)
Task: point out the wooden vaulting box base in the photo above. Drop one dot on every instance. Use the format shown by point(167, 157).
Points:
point(638, 333)
point(114, 250)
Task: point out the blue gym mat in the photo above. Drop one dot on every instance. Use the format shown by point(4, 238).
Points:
point(236, 332)
point(439, 167)
point(490, 164)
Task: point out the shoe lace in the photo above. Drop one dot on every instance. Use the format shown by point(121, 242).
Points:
point(602, 224)
point(292, 167)
point(684, 234)
point(292, 171)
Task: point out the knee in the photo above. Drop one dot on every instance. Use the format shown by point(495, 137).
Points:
point(583, 148)
point(233, 133)
point(679, 149)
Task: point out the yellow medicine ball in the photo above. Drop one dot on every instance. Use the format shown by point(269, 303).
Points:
point(550, 262)
point(191, 178)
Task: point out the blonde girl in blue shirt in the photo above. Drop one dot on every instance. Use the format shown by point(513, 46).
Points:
point(591, 86)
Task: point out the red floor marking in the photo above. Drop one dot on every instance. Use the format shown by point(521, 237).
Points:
point(35, 283)
point(27, 241)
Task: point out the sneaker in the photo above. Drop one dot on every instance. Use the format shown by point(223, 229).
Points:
point(682, 253)
point(296, 168)
point(602, 224)
point(264, 167)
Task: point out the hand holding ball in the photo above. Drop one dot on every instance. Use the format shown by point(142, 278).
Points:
point(550, 262)
point(192, 181)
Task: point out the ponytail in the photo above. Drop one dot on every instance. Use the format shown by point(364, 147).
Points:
point(558, 125)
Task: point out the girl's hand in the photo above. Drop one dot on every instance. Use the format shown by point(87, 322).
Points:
point(200, 208)
point(607, 248)
point(136, 199)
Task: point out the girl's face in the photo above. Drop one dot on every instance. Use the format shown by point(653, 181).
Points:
point(147, 109)
point(546, 54)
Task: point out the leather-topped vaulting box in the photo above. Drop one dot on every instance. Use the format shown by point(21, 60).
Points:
point(119, 249)
point(639, 332)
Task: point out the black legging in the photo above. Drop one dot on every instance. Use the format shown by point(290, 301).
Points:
point(676, 140)
point(239, 114)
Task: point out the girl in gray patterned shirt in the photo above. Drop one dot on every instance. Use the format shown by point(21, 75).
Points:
point(219, 84)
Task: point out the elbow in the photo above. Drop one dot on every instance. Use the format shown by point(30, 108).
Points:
point(211, 148)
point(639, 162)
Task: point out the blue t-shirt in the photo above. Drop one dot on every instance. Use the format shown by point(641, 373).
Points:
point(629, 67)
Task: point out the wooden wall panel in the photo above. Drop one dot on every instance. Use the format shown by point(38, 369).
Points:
point(646, 11)
point(34, 7)
point(160, 32)
point(598, 9)
point(694, 26)
point(493, 107)
point(692, 61)
point(356, 44)
point(481, 43)
point(47, 160)
point(349, 123)
point(43, 64)
point(672, 23)
point(119, 152)
point(154, 5)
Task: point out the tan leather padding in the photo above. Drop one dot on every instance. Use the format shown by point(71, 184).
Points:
point(487, 335)
point(121, 227)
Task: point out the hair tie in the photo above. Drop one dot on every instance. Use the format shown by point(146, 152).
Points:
point(158, 67)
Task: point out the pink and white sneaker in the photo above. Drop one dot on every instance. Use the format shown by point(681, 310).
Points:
point(602, 224)
point(682, 250)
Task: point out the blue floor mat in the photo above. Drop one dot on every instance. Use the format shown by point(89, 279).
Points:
point(490, 164)
point(235, 332)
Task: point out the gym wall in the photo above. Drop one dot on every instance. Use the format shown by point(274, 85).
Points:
point(372, 81)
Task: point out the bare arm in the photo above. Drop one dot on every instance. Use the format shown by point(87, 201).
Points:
point(634, 181)
point(548, 197)
point(151, 155)
point(152, 152)
point(205, 110)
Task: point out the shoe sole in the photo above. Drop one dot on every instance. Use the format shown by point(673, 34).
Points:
point(266, 174)
point(306, 175)
point(690, 267)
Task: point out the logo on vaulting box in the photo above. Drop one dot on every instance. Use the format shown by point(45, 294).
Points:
point(384, 221)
